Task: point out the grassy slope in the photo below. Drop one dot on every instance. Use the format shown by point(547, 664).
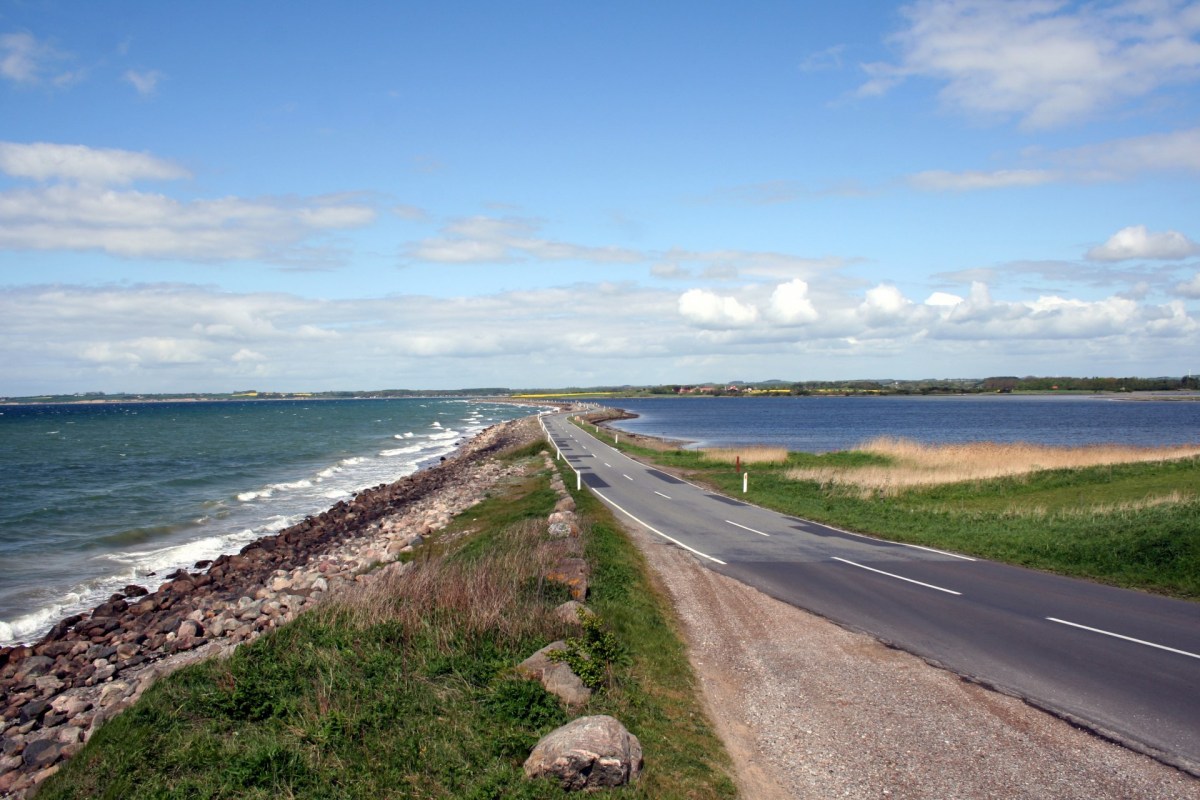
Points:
point(394, 704)
point(1065, 521)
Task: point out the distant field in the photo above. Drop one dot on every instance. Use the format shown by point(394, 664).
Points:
point(1123, 515)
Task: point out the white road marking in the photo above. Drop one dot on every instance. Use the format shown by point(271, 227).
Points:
point(626, 477)
point(660, 494)
point(897, 577)
point(608, 465)
point(1126, 638)
point(743, 527)
point(655, 530)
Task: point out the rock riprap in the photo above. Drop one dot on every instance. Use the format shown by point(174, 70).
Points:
point(57, 692)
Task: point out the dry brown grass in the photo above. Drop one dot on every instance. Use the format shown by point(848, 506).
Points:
point(918, 465)
point(447, 597)
point(748, 455)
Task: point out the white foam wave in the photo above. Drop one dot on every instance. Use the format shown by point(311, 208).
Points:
point(436, 424)
point(401, 451)
point(406, 435)
point(447, 434)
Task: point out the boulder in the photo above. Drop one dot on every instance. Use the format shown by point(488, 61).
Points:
point(569, 612)
point(573, 572)
point(555, 676)
point(587, 753)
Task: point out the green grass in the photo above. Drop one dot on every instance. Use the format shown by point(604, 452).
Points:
point(414, 695)
point(1066, 521)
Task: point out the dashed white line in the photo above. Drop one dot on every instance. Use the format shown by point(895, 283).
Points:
point(660, 494)
point(626, 477)
point(743, 527)
point(1126, 638)
point(655, 530)
point(897, 577)
point(608, 465)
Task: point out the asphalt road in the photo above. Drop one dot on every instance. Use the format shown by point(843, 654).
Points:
point(1121, 663)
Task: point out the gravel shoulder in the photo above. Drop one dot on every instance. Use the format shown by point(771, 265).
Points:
point(808, 709)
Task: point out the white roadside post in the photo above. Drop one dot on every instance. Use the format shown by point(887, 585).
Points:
point(578, 481)
point(745, 482)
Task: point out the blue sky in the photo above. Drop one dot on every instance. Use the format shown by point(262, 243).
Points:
point(217, 196)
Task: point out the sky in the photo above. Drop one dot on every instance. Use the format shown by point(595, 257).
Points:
point(222, 196)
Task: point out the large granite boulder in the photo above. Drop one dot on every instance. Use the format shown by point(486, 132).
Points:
point(588, 753)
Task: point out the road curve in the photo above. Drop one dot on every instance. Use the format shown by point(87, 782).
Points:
point(1121, 663)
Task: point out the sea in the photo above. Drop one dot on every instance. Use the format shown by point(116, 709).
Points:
point(94, 497)
point(822, 424)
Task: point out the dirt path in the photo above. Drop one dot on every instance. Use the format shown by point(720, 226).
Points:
point(808, 709)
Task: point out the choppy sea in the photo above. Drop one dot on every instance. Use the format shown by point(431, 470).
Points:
point(94, 497)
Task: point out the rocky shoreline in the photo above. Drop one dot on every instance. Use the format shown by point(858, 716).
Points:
point(55, 693)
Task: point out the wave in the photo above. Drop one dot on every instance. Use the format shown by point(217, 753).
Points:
point(400, 451)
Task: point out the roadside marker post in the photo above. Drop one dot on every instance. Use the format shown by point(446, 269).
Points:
point(745, 482)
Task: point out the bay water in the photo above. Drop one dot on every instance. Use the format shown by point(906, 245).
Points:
point(97, 496)
point(821, 424)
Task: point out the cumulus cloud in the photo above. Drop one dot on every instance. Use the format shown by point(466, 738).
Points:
point(80, 203)
point(1043, 61)
point(707, 309)
point(1137, 242)
point(790, 304)
point(145, 82)
point(483, 239)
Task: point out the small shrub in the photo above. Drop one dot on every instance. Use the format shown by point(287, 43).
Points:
point(593, 655)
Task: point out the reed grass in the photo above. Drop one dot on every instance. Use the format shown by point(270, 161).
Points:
point(746, 455)
point(912, 464)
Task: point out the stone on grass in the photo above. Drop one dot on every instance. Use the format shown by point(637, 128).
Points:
point(555, 676)
point(587, 753)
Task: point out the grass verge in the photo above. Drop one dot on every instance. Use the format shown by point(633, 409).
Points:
point(1131, 524)
point(405, 688)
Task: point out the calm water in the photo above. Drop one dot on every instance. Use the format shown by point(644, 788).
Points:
point(821, 424)
point(93, 497)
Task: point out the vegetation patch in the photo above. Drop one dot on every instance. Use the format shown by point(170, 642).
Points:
point(405, 686)
point(1125, 516)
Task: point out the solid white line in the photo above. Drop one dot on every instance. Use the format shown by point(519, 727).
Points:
point(655, 530)
point(898, 577)
point(660, 494)
point(743, 527)
point(1126, 638)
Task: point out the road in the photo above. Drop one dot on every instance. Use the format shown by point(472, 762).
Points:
point(1121, 663)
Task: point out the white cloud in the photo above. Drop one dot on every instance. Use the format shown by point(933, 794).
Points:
point(1044, 61)
point(189, 338)
point(43, 161)
point(1190, 288)
point(145, 82)
point(942, 181)
point(1137, 242)
point(707, 309)
point(77, 209)
point(1119, 159)
point(943, 300)
point(482, 239)
point(24, 59)
point(790, 304)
